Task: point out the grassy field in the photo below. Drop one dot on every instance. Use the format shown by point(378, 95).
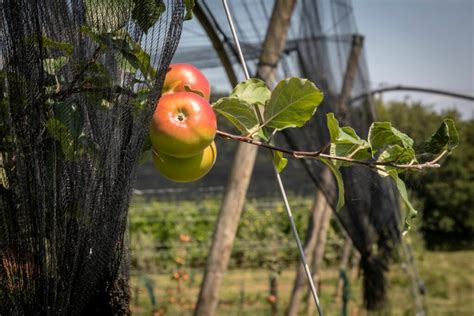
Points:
point(448, 276)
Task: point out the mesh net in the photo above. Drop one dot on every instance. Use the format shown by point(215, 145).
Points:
point(79, 80)
point(318, 46)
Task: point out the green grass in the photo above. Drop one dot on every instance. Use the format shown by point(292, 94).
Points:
point(448, 278)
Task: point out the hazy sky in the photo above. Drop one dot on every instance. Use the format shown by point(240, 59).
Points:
point(428, 43)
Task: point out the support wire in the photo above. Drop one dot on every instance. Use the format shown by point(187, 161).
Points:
point(277, 174)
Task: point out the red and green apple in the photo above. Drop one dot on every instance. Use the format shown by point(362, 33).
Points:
point(180, 76)
point(186, 169)
point(183, 125)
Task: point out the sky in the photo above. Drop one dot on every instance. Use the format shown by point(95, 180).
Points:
point(427, 43)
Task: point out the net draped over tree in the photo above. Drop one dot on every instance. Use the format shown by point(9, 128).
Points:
point(318, 47)
point(79, 80)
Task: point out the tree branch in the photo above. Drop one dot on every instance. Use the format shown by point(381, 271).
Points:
point(61, 94)
point(314, 154)
point(78, 76)
point(245, 139)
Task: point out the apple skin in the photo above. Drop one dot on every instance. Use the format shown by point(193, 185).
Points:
point(181, 75)
point(186, 169)
point(183, 125)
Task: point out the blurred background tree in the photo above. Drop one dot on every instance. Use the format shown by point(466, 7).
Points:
point(446, 195)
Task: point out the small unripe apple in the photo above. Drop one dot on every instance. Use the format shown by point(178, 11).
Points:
point(186, 169)
point(180, 76)
point(183, 125)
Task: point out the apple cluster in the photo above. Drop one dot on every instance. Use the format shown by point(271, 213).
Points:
point(184, 126)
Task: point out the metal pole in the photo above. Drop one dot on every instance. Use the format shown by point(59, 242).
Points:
point(236, 39)
point(280, 183)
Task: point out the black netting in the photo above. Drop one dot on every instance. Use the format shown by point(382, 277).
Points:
point(79, 80)
point(318, 46)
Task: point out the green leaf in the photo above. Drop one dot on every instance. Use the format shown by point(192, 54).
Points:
point(383, 134)
point(49, 43)
point(97, 75)
point(146, 153)
point(140, 101)
point(94, 36)
point(70, 116)
point(62, 135)
point(66, 127)
point(445, 138)
point(264, 134)
point(147, 12)
point(139, 59)
point(145, 156)
point(3, 177)
point(344, 134)
point(395, 154)
point(253, 91)
point(125, 65)
point(238, 112)
point(130, 50)
point(345, 142)
point(107, 16)
point(279, 161)
point(189, 6)
point(53, 65)
point(412, 212)
point(340, 182)
point(292, 103)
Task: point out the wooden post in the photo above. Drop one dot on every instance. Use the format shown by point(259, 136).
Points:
point(275, 39)
point(225, 229)
point(346, 253)
point(273, 298)
point(318, 254)
point(351, 72)
point(216, 43)
point(320, 230)
point(418, 290)
point(355, 266)
point(316, 215)
point(344, 118)
point(244, 160)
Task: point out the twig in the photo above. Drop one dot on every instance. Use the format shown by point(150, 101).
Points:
point(314, 154)
point(61, 94)
point(294, 153)
point(78, 76)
